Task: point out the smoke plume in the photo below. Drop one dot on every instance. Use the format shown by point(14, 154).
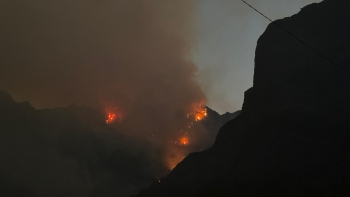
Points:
point(130, 58)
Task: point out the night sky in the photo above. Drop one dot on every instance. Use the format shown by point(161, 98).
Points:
point(148, 66)
point(81, 46)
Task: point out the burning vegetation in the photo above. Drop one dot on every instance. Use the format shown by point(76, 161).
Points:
point(187, 133)
point(201, 114)
point(113, 116)
point(146, 70)
point(188, 137)
point(184, 140)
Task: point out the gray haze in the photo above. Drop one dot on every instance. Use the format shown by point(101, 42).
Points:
point(39, 37)
point(131, 58)
point(136, 59)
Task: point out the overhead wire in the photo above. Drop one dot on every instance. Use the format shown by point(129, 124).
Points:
point(295, 37)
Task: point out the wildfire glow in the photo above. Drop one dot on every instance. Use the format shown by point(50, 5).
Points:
point(184, 140)
point(111, 118)
point(201, 114)
point(113, 115)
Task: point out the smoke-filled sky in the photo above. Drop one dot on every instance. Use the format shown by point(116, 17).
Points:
point(131, 59)
point(54, 53)
point(138, 59)
point(151, 63)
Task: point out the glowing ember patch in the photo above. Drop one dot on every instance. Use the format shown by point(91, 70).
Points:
point(201, 114)
point(113, 115)
point(184, 140)
point(111, 118)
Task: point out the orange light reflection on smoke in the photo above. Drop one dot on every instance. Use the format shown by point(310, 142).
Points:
point(184, 140)
point(113, 115)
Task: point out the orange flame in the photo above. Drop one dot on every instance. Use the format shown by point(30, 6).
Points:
point(113, 115)
point(180, 150)
point(201, 114)
point(184, 140)
point(111, 118)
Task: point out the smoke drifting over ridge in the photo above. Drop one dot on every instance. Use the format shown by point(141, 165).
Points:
point(129, 58)
point(133, 56)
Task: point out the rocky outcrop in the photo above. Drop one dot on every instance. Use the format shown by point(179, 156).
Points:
point(292, 136)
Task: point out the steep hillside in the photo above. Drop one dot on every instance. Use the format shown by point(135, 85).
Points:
point(71, 151)
point(292, 136)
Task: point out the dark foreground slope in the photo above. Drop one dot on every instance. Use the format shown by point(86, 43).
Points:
point(73, 152)
point(292, 137)
point(69, 152)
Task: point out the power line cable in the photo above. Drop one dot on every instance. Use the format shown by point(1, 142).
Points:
point(325, 57)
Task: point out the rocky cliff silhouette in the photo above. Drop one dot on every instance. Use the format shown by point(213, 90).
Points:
point(292, 136)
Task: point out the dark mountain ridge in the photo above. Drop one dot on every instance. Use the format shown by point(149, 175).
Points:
point(292, 136)
point(71, 151)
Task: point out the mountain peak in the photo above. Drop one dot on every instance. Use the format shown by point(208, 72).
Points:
point(291, 138)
